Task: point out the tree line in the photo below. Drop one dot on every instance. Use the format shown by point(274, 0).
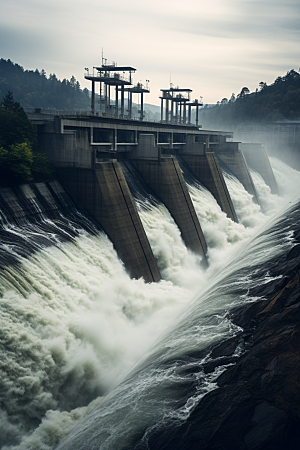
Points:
point(32, 88)
point(277, 101)
point(18, 162)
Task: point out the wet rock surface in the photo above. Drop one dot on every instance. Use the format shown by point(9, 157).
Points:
point(257, 404)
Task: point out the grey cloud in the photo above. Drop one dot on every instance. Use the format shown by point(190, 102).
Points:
point(65, 37)
point(255, 26)
point(28, 49)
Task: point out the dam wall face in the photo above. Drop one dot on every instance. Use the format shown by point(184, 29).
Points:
point(165, 178)
point(257, 158)
point(281, 139)
point(104, 193)
point(85, 149)
point(234, 159)
point(70, 149)
point(207, 170)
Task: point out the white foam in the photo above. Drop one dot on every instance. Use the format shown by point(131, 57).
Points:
point(76, 322)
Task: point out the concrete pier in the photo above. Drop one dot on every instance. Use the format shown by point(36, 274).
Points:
point(165, 178)
point(205, 167)
point(234, 159)
point(104, 193)
point(257, 158)
point(281, 139)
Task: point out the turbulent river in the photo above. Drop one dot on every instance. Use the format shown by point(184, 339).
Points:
point(84, 346)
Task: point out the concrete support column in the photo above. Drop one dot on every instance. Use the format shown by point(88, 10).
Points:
point(257, 158)
point(117, 102)
point(207, 170)
point(115, 140)
point(176, 113)
point(197, 115)
point(162, 110)
point(172, 111)
point(190, 115)
point(207, 143)
point(166, 179)
point(92, 135)
point(93, 97)
point(235, 161)
point(142, 107)
point(104, 193)
point(167, 110)
point(122, 100)
point(184, 112)
point(180, 112)
point(171, 140)
point(100, 93)
point(130, 105)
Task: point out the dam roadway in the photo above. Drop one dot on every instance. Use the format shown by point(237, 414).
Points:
point(86, 150)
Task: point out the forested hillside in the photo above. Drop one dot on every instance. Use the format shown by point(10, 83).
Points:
point(32, 88)
point(277, 101)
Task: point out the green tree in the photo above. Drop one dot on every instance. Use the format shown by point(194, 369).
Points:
point(244, 92)
point(15, 164)
point(18, 163)
point(14, 124)
point(262, 85)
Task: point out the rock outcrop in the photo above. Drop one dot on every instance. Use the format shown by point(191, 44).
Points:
point(257, 404)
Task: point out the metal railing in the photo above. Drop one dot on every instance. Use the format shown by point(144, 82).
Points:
point(107, 75)
point(84, 112)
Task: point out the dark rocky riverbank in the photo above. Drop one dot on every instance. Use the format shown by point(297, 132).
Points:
point(257, 404)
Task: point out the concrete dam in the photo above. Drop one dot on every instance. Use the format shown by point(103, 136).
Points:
point(90, 153)
point(93, 352)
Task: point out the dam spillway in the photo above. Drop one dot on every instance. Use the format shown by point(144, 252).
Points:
point(86, 150)
point(73, 322)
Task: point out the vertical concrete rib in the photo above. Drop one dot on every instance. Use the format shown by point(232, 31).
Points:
point(236, 162)
point(135, 218)
point(257, 158)
point(166, 180)
point(104, 193)
point(207, 170)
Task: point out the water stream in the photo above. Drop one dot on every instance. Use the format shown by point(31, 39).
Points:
point(73, 323)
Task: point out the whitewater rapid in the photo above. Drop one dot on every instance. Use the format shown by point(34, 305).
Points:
point(73, 323)
point(169, 381)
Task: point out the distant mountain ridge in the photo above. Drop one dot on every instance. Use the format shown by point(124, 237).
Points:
point(32, 88)
point(277, 101)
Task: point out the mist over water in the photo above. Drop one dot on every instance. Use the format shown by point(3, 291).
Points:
point(73, 323)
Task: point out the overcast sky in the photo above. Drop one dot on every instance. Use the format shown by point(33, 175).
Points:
point(214, 47)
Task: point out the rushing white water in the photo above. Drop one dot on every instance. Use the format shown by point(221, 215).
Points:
point(286, 177)
point(168, 382)
point(176, 263)
point(75, 322)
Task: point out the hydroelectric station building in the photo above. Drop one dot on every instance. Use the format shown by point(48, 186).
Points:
point(95, 153)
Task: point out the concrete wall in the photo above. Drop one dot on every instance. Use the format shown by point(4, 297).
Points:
point(146, 148)
point(166, 180)
point(68, 150)
point(281, 139)
point(194, 145)
point(236, 162)
point(104, 193)
point(207, 170)
point(257, 158)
